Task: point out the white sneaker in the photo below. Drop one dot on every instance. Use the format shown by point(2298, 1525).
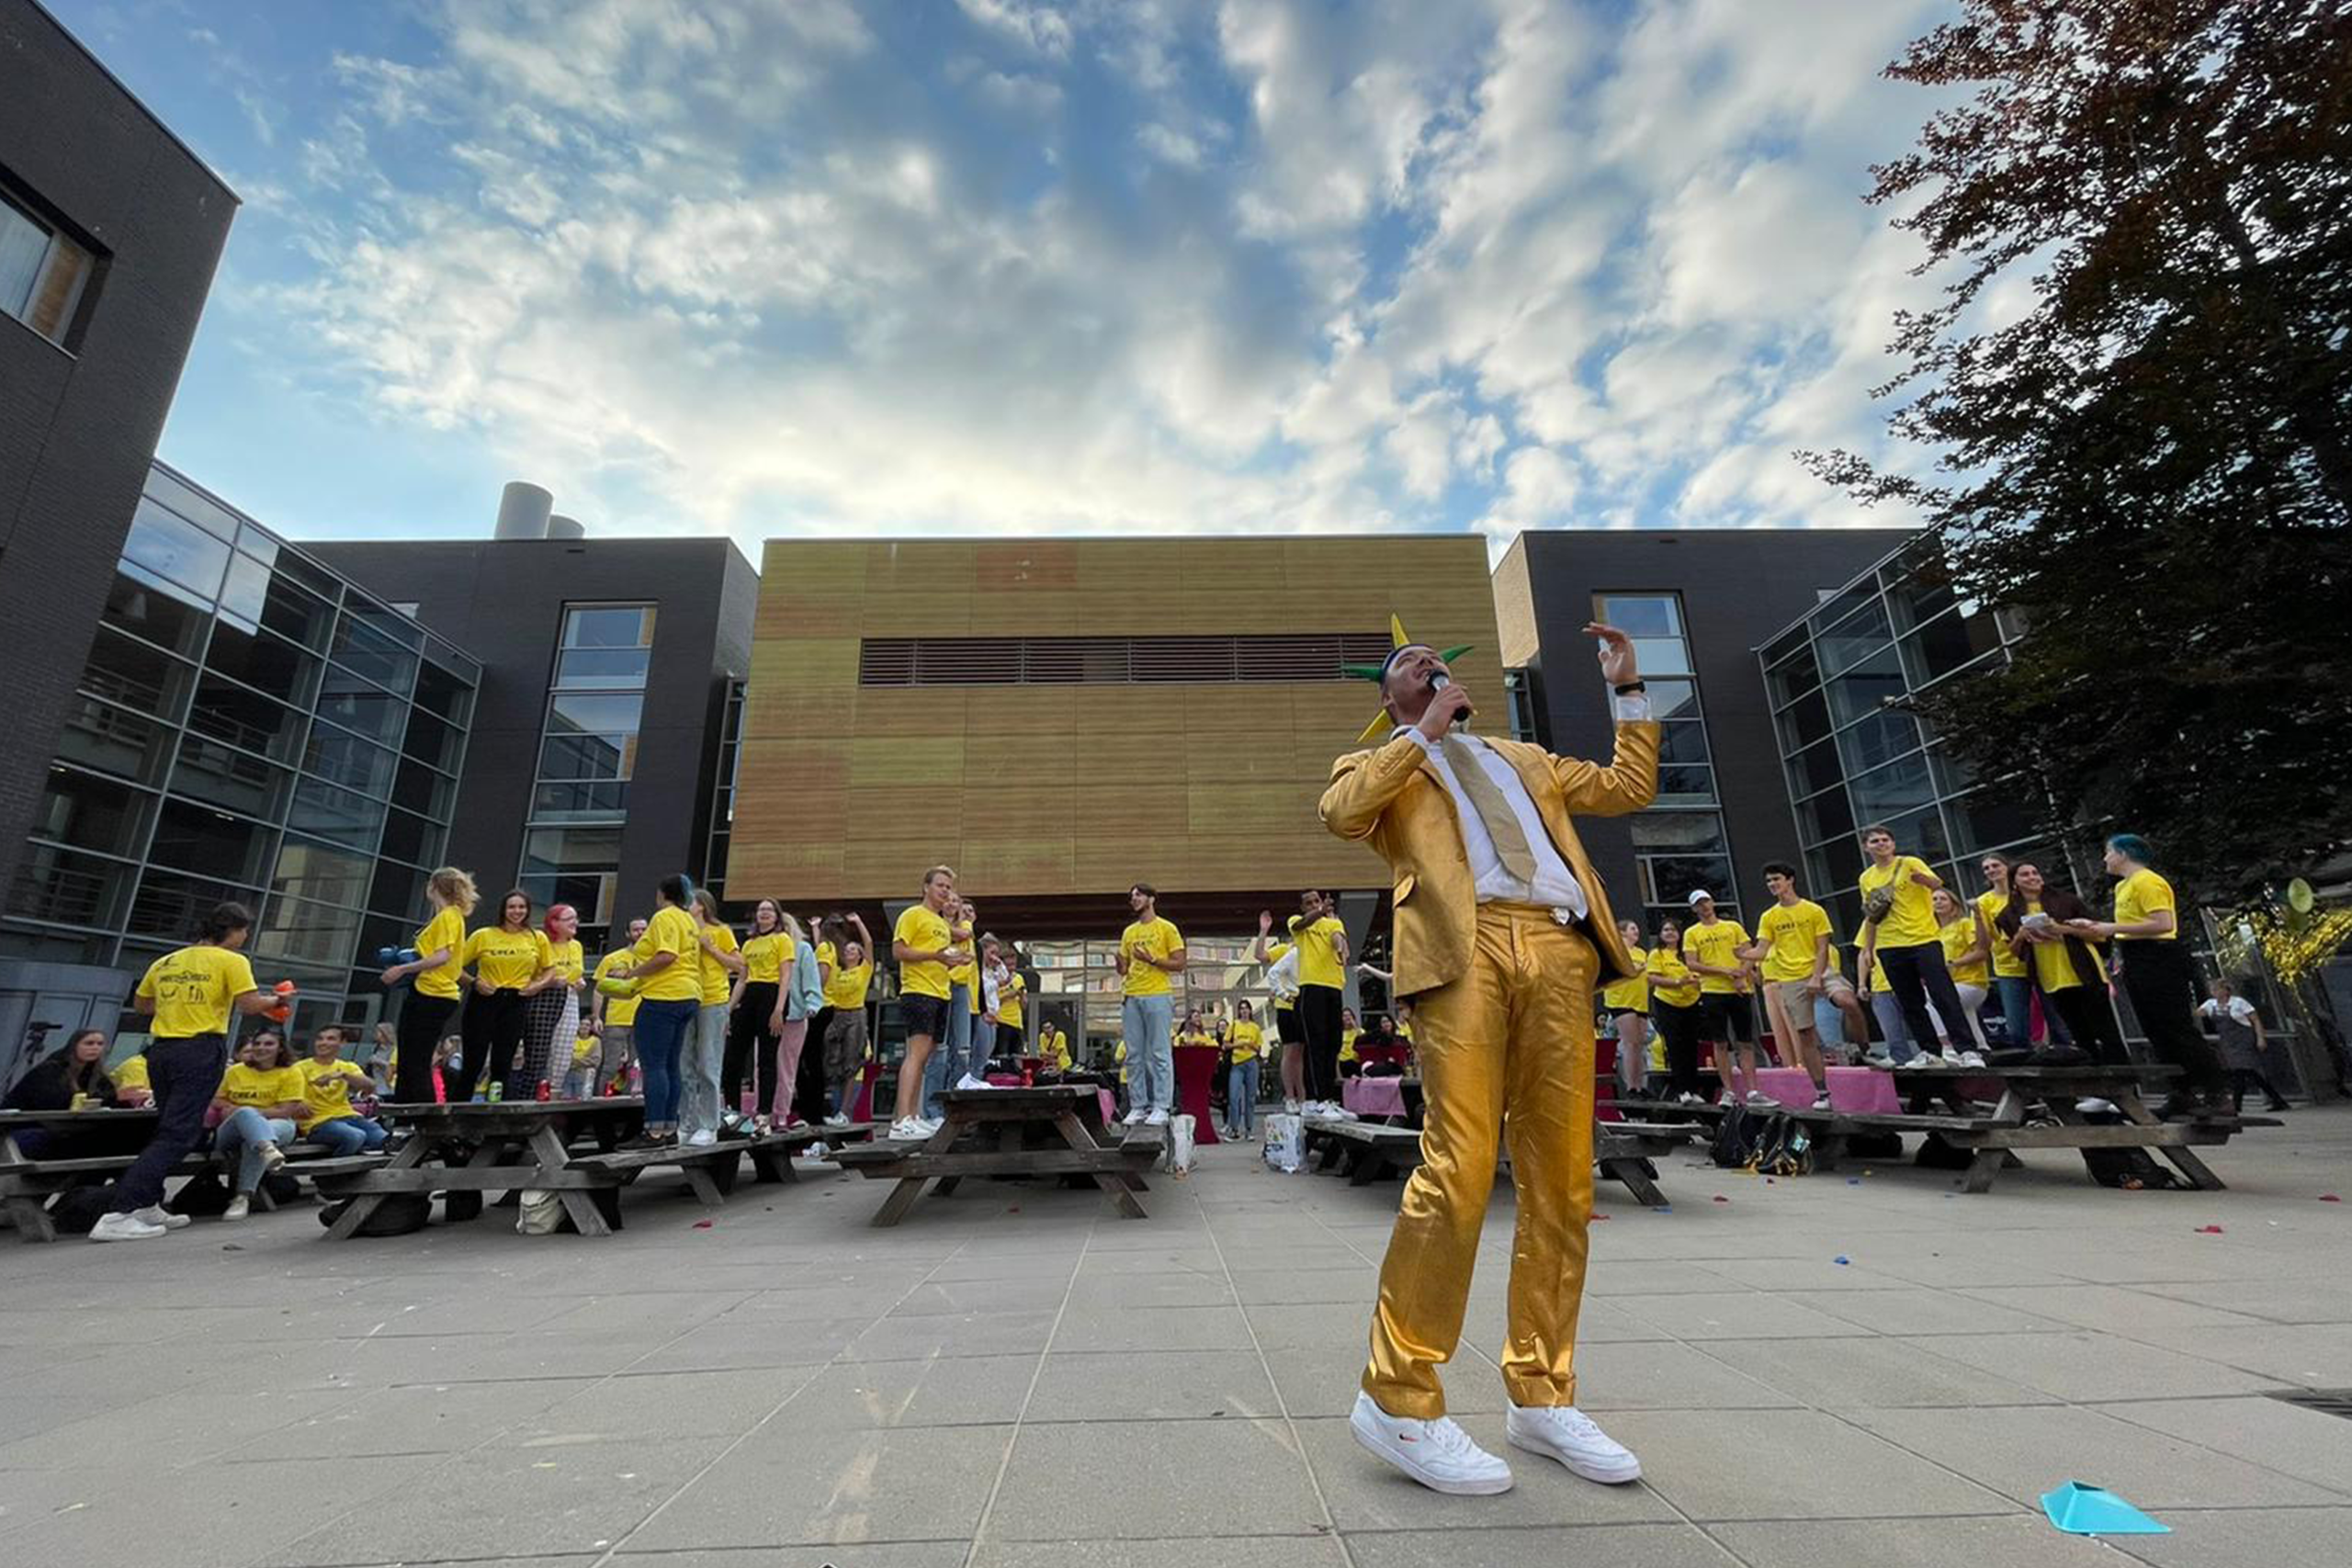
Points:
point(2096, 1107)
point(123, 1227)
point(1687, 1097)
point(1877, 1057)
point(1157, 1118)
point(1972, 1058)
point(1952, 1057)
point(1438, 1454)
point(907, 1129)
point(969, 1081)
point(703, 1138)
point(1821, 1101)
point(272, 1157)
point(156, 1214)
point(837, 1120)
point(1756, 1096)
point(239, 1207)
point(931, 1124)
point(1292, 1107)
point(1568, 1435)
point(1134, 1118)
point(1923, 1059)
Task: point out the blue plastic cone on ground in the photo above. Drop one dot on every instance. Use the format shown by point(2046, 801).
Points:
point(2079, 1509)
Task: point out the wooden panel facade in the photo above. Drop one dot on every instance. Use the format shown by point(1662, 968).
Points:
point(846, 792)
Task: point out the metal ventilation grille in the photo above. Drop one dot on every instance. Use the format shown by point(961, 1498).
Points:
point(1112, 660)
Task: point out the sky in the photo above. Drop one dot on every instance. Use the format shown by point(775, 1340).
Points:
point(1022, 266)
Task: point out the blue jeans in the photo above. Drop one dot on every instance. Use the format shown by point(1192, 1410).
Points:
point(1889, 1013)
point(1151, 1063)
point(243, 1137)
point(2016, 992)
point(1241, 1096)
point(661, 1029)
point(954, 1056)
point(348, 1134)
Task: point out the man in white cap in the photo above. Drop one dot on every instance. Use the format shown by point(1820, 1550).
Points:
point(1710, 946)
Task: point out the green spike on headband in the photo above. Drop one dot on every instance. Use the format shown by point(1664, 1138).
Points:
point(1379, 672)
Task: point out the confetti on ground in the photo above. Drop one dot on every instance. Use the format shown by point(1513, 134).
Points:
point(702, 1225)
point(2329, 1198)
point(1721, 1199)
point(2209, 1230)
point(1842, 1260)
point(1853, 1181)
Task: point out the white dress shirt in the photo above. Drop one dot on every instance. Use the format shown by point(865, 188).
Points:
point(1554, 885)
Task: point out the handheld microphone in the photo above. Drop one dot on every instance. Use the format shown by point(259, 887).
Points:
point(1438, 683)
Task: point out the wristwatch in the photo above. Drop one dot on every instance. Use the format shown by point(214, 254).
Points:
point(1630, 687)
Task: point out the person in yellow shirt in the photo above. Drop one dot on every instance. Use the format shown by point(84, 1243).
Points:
point(328, 1117)
point(1011, 989)
point(1150, 950)
point(924, 946)
point(552, 1007)
point(507, 960)
point(1674, 1005)
point(193, 994)
point(429, 1006)
point(1711, 946)
point(1900, 933)
point(1794, 946)
point(1968, 960)
point(1351, 1031)
point(2052, 930)
point(132, 1087)
point(718, 962)
point(1627, 1002)
point(846, 1048)
point(2012, 981)
point(1243, 1043)
point(753, 1042)
point(667, 962)
point(2153, 964)
point(259, 1102)
point(1053, 1046)
point(612, 1020)
point(1322, 976)
point(1281, 959)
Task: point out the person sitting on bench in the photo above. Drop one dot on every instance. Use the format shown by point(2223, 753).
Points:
point(259, 1101)
point(73, 1077)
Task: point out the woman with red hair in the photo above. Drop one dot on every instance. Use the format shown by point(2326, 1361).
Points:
point(552, 1025)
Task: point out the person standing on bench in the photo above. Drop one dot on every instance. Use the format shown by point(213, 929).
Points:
point(2153, 964)
point(194, 995)
point(1501, 931)
point(668, 959)
point(507, 960)
point(1900, 932)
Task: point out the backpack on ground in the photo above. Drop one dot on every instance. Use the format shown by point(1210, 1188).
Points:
point(77, 1209)
point(2125, 1167)
point(1735, 1138)
point(1783, 1146)
point(399, 1214)
point(204, 1196)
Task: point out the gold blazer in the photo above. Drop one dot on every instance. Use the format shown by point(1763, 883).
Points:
point(1392, 796)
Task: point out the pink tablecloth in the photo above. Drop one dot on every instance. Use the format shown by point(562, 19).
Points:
point(1863, 1090)
point(1374, 1097)
point(1110, 1105)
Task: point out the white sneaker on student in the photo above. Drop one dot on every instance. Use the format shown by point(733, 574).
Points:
point(156, 1214)
point(1564, 1433)
point(1821, 1101)
point(1952, 1057)
point(969, 1081)
point(1438, 1454)
point(272, 1157)
point(1157, 1118)
point(1758, 1098)
point(703, 1138)
point(123, 1227)
point(837, 1120)
point(239, 1207)
point(1292, 1107)
point(1687, 1097)
point(1923, 1059)
point(907, 1129)
point(1134, 1118)
point(2096, 1106)
point(1972, 1059)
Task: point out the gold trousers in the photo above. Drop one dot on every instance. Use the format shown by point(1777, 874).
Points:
point(1508, 1043)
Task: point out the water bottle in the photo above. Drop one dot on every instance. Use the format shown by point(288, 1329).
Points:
point(497, 1091)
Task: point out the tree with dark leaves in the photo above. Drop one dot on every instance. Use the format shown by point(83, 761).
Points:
point(2149, 462)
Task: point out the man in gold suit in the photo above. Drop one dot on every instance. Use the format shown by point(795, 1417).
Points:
point(1501, 931)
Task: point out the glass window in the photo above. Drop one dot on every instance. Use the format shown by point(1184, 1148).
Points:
point(247, 587)
point(588, 757)
point(392, 627)
point(563, 848)
point(1891, 791)
point(170, 903)
point(1666, 655)
point(191, 504)
point(42, 273)
point(1845, 603)
point(131, 673)
point(1947, 644)
point(590, 892)
point(1641, 615)
point(1867, 687)
point(413, 839)
point(90, 812)
point(433, 742)
point(259, 543)
point(1919, 585)
point(295, 614)
point(1854, 638)
point(196, 838)
point(421, 789)
point(164, 616)
point(1815, 767)
point(1788, 645)
point(575, 714)
point(325, 873)
point(266, 663)
point(69, 888)
point(175, 550)
point(1882, 738)
point(1839, 865)
point(361, 708)
point(608, 626)
point(1679, 832)
point(222, 775)
point(115, 740)
point(336, 814)
point(399, 890)
point(1684, 740)
point(348, 761)
point(1686, 784)
point(442, 691)
point(309, 933)
point(1829, 814)
point(1986, 821)
point(1792, 677)
point(363, 647)
point(578, 802)
point(590, 669)
point(1671, 699)
point(227, 712)
point(1803, 722)
point(1671, 879)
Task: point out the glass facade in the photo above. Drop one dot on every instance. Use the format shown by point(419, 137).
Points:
point(1895, 631)
point(1679, 841)
point(249, 725)
point(571, 846)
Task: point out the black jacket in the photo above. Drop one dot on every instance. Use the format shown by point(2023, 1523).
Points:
point(47, 1087)
point(2060, 906)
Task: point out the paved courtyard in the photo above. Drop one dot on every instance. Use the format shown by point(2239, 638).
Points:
point(1829, 1370)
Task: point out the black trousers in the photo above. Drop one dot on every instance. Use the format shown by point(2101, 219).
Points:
point(1917, 977)
point(809, 1101)
point(185, 1074)
point(2162, 984)
point(2240, 1079)
point(750, 1043)
point(1318, 1015)
point(1679, 1028)
point(1013, 1043)
point(424, 1020)
point(493, 1032)
point(2089, 1018)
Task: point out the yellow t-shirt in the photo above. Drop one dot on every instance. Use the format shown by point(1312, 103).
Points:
point(2141, 894)
point(2006, 965)
point(1007, 1001)
point(507, 960)
point(1958, 936)
point(1193, 1040)
point(1318, 954)
point(1630, 994)
point(2053, 966)
point(262, 1087)
point(130, 1073)
point(1670, 979)
point(1791, 931)
point(583, 1049)
point(671, 931)
point(1878, 982)
point(765, 956)
point(326, 1091)
point(1912, 921)
point(1247, 1037)
point(1119, 1056)
point(566, 955)
point(847, 988)
point(1157, 938)
point(445, 930)
point(926, 930)
point(716, 979)
point(193, 989)
point(1716, 944)
point(1054, 1045)
point(619, 1011)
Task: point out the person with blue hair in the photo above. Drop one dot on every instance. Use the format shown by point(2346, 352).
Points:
point(2153, 964)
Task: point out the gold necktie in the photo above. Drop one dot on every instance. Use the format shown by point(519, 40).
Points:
point(1487, 799)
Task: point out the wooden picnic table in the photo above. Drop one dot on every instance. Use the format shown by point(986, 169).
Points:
point(527, 1145)
point(1621, 1151)
point(106, 1140)
point(1047, 1130)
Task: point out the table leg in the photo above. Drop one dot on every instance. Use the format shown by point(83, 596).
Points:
point(1119, 1186)
point(358, 1207)
point(1983, 1166)
point(2200, 1175)
point(773, 1165)
point(1637, 1181)
point(901, 1198)
point(30, 1218)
